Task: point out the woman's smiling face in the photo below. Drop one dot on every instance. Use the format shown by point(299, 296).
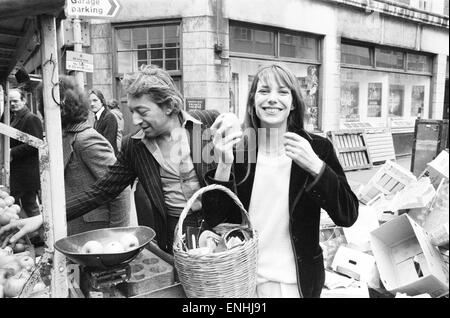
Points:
point(273, 102)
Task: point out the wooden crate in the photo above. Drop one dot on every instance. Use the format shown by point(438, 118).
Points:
point(351, 149)
point(389, 179)
point(380, 145)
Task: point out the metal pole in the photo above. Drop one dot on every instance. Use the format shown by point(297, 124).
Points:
point(51, 162)
point(78, 47)
point(7, 154)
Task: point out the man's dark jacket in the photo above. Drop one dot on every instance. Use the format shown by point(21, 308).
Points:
point(24, 166)
point(107, 127)
point(135, 160)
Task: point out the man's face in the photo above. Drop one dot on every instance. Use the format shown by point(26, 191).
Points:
point(96, 103)
point(15, 101)
point(149, 116)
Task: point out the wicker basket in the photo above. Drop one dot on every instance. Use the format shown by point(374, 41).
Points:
point(227, 274)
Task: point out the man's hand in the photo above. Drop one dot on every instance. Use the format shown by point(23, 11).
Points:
point(22, 226)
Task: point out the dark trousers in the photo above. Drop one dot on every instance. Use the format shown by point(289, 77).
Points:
point(27, 200)
point(190, 220)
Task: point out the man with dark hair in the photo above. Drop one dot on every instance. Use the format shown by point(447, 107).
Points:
point(167, 155)
point(24, 168)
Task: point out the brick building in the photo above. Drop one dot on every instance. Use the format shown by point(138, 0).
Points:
point(361, 63)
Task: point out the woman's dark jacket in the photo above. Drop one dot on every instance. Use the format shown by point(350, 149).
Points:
point(307, 195)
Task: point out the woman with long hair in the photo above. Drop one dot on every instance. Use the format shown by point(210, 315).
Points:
point(290, 177)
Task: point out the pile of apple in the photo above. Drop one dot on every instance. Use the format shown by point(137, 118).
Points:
point(8, 210)
point(15, 270)
point(125, 243)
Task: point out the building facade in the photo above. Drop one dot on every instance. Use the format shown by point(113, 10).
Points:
point(360, 63)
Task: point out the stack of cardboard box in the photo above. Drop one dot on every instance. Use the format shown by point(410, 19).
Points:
point(399, 244)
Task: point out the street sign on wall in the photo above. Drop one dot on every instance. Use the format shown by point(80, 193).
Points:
point(195, 104)
point(93, 8)
point(78, 61)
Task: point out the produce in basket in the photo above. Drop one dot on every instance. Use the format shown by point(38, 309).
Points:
point(15, 270)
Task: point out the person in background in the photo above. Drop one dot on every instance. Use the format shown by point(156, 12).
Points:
point(165, 155)
point(113, 106)
point(104, 121)
point(295, 174)
point(24, 168)
point(87, 154)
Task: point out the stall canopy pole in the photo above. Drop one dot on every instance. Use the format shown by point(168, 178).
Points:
point(78, 47)
point(6, 154)
point(55, 216)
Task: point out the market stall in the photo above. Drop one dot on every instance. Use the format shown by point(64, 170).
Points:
point(27, 31)
point(29, 41)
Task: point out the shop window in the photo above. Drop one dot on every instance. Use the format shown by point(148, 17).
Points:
point(417, 100)
point(374, 100)
point(419, 63)
point(258, 40)
point(350, 101)
point(156, 44)
point(298, 46)
point(396, 98)
point(356, 55)
point(309, 88)
point(388, 58)
point(251, 40)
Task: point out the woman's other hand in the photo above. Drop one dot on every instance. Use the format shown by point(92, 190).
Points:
point(299, 150)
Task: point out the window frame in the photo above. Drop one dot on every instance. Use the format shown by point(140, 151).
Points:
point(372, 49)
point(147, 24)
point(277, 32)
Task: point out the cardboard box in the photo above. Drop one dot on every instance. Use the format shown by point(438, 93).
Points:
point(384, 207)
point(417, 194)
point(354, 264)
point(406, 259)
point(439, 165)
point(355, 290)
point(358, 234)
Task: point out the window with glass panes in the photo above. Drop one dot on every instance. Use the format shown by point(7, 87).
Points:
point(251, 39)
point(252, 46)
point(155, 44)
point(385, 82)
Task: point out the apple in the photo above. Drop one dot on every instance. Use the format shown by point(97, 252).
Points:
point(27, 263)
point(9, 200)
point(92, 247)
point(6, 251)
point(129, 241)
point(4, 218)
point(19, 248)
point(15, 208)
point(2, 204)
point(40, 286)
point(5, 260)
point(14, 266)
point(113, 247)
point(4, 274)
point(13, 286)
point(3, 194)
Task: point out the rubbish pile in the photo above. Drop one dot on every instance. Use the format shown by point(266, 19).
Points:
point(399, 246)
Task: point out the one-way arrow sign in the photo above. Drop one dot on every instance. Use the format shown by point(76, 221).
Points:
point(93, 8)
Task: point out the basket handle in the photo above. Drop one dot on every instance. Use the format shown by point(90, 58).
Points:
point(179, 228)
